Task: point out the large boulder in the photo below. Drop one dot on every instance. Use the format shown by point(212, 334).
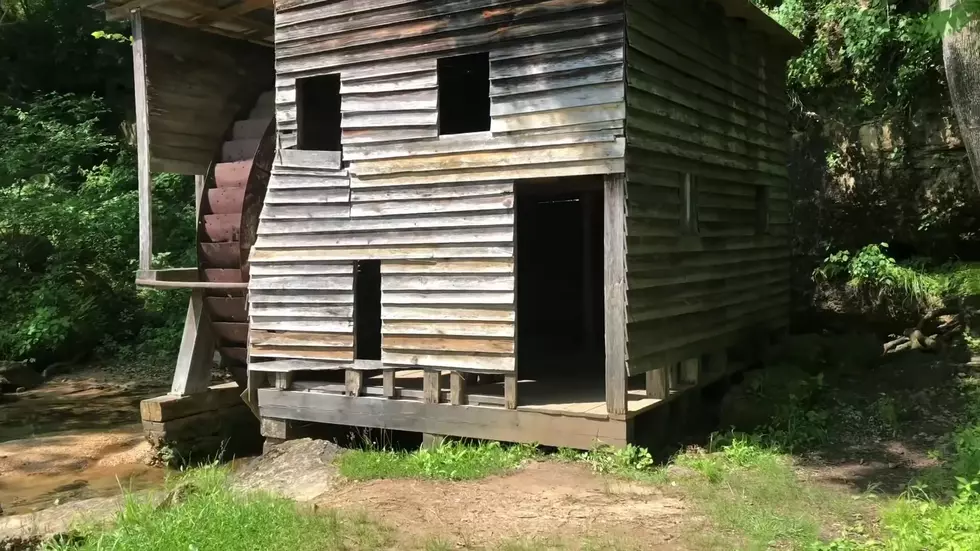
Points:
point(17, 375)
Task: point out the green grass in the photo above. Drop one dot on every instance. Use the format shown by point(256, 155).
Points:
point(450, 461)
point(756, 500)
point(212, 517)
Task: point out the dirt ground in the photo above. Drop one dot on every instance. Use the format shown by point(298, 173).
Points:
point(78, 437)
point(72, 438)
point(546, 500)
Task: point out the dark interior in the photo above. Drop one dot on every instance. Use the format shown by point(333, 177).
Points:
point(318, 113)
point(559, 279)
point(367, 310)
point(464, 93)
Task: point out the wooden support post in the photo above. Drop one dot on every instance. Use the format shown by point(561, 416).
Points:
point(691, 371)
point(614, 284)
point(284, 380)
point(354, 382)
point(145, 185)
point(510, 390)
point(457, 388)
point(715, 364)
point(658, 383)
point(388, 383)
point(196, 354)
point(251, 394)
point(432, 441)
point(431, 386)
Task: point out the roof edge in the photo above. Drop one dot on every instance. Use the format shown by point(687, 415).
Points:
point(760, 21)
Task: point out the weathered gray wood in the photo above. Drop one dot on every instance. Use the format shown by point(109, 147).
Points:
point(166, 408)
point(431, 441)
point(388, 382)
point(690, 371)
point(431, 386)
point(354, 382)
point(614, 294)
point(145, 179)
point(457, 389)
point(657, 383)
point(196, 353)
point(511, 399)
point(284, 380)
point(492, 423)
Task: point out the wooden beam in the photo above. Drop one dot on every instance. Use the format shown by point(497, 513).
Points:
point(241, 8)
point(196, 354)
point(489, 423)
point(167, 408)
point(210, 13)
point(127, 9)
point(614, 293)
point(145, 185)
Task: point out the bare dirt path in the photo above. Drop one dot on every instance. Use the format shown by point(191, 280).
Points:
point(73, 438)
point(545, 500)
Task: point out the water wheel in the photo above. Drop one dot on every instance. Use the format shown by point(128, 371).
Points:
point(232, 199)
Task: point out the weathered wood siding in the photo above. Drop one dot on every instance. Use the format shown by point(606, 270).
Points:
point(437, 211)
point(197, 83)
point(705, 102)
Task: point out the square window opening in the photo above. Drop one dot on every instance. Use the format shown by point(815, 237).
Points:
point(689, 204)
point(464, 94)
point(318, 113)
point(367, 310)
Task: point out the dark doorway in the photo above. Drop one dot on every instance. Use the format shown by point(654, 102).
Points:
point(559, 278)
point(367, 310)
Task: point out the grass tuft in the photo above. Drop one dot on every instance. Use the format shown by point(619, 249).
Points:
point(450, 461)
point(201, 512)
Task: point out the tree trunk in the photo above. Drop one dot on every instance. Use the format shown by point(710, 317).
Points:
point(961, 52)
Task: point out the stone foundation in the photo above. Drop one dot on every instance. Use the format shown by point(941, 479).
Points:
point(201, 427)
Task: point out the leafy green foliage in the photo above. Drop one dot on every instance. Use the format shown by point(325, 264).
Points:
point(451, 460)
point(881, 53)
point(68, 235)
point(879, 281)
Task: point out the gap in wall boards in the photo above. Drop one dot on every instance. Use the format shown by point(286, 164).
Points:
point(367, 310)
point(464, 94)
point(318, 113)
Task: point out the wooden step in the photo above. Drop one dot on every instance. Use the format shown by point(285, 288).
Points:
point(221, 255)
point(233, 174)
point(222, 227)
point(251, 128)
point(227, 308)
point(239, 150)
point(224, 200)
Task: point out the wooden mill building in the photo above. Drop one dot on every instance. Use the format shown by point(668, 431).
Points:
point(524, 220)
